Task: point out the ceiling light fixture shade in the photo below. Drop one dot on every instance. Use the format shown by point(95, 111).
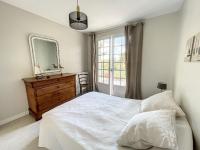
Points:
point(78, 20)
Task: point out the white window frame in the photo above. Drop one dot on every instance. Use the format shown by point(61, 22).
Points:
point(111, 35)
point(114, 36)
point(103, 38)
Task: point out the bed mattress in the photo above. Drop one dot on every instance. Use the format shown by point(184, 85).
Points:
point(94, 122)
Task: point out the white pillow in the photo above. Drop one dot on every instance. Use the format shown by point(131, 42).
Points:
point(150, 129)
point(162, 100)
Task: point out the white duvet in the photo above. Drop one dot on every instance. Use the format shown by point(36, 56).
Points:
point(93, 122)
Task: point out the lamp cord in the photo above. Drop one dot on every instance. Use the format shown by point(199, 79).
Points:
point(78, 8)
point(78, 11)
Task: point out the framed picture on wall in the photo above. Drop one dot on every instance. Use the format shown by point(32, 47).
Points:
point(189, 49)
point(196, 48)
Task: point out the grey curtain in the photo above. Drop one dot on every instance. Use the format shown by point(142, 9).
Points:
point(134, 41)
point(93, 67)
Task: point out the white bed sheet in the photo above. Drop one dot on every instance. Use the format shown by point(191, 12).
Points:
point(93, 122)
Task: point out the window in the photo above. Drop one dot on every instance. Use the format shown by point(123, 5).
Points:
point(111, 60)
point(104, 61)
point(119, 69)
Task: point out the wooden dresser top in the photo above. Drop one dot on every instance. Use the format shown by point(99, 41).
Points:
point(58, 76)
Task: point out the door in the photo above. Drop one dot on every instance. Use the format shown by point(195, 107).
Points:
point(111, 64)
point(118, 66)
point(103, 52)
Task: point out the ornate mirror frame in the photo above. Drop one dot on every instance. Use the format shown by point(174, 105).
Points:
point(33, 55)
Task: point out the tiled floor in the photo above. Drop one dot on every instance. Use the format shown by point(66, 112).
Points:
point(21, 134)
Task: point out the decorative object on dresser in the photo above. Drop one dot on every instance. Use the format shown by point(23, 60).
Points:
point(47, 93)
point(38, 72)
point(61, 69)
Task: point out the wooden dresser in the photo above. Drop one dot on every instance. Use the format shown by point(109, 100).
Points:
point(45, 94)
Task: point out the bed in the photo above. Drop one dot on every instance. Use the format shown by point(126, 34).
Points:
point(93, 122)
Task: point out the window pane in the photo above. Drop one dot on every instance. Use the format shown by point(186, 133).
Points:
point(116, 74)
point(106, 58)
point(100, 51)
point(117, 50)
point(123, 66)
point(106, 66)
point(122, 58)
point(100, 66)
point(100, 79)
point(117, 41)
point(100, 73)
point(123, 40)
point(100, 43)
point(106, 51)
point(106, 74)
point(123, 74)
point(106, 43)
point(117, 58)
point(116, 66)
point(100, 58)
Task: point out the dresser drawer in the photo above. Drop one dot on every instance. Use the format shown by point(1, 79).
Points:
point(44, 83)
point(44, 99)
point(51, 99)
point(67, 79)
point(53, 88)
point(70, 93)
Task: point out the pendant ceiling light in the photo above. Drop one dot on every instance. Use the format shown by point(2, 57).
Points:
point(78, 20)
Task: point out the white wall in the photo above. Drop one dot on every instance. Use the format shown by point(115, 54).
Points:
point(15, 60)
point(159, 52)
point(187, 83)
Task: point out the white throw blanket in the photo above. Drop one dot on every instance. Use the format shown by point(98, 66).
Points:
point(90, 122)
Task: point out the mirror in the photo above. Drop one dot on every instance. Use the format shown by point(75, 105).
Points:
point(45, 54)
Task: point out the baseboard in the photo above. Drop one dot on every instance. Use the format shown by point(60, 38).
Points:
point(7, 120)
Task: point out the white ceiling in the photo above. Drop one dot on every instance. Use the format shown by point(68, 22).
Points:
point(102, 14)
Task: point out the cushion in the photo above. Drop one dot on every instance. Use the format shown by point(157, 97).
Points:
point(150, 129)
point(162, 100)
